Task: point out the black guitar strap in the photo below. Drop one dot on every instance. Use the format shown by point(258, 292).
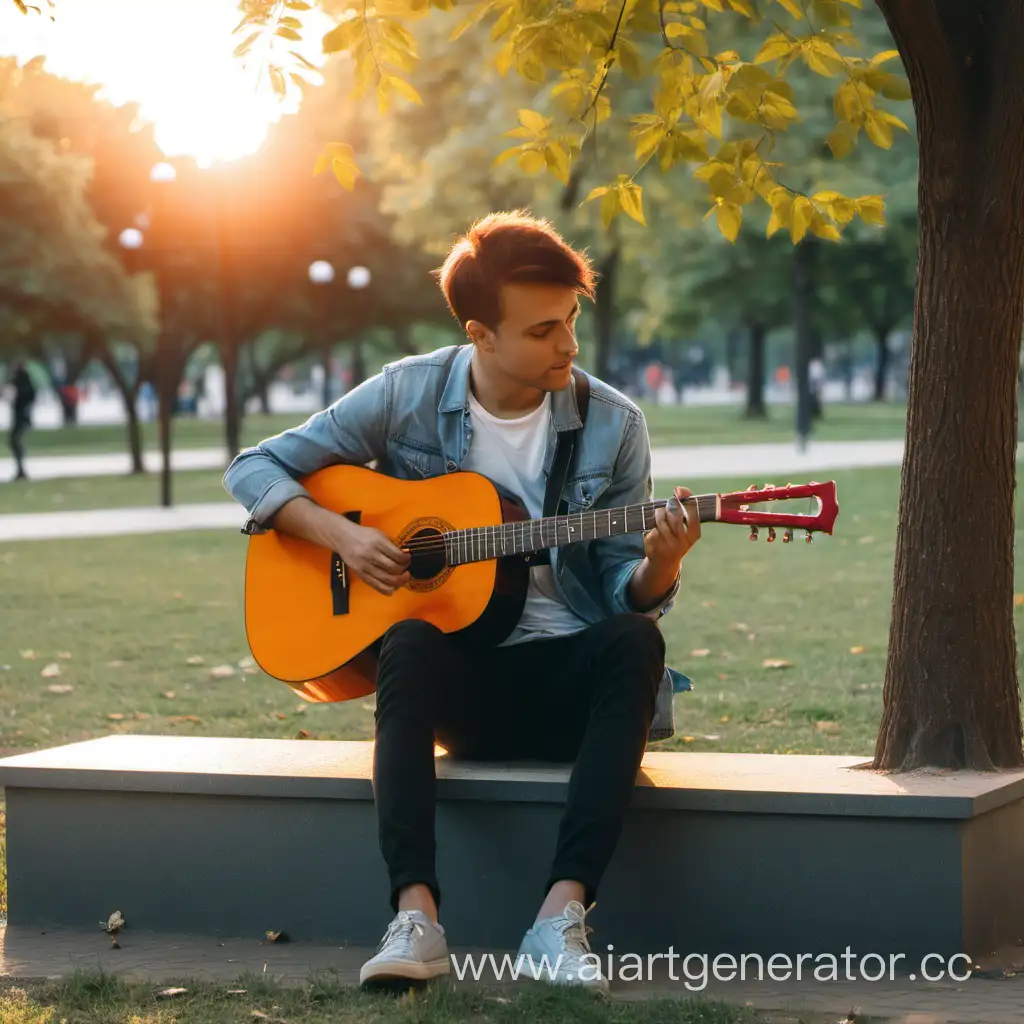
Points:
point(566, 444)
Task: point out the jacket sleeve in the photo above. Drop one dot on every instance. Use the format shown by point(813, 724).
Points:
point(352, 431)
point(619, 556)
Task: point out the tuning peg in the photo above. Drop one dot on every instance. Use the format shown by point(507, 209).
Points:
point(753, 533)
point(809, 539)
point(787, 536)
point(771, 534)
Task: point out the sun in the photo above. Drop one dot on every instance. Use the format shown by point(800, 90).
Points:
point(174, 57)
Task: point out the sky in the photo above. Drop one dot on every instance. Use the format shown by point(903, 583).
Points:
point(174, 57)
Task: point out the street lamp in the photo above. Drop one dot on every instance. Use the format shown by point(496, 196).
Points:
point(321, 274)
point(130, 238)
point(162, 172)
point(358, 279)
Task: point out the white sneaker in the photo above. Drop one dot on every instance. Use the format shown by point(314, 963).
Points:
point(414, 948)
point(557, 950)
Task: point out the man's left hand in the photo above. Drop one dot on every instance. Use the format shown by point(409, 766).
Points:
point(676, 530)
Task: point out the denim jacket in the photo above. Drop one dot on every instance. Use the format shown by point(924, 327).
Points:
point(412, 419)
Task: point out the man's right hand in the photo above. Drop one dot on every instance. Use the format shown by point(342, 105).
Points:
point(373, 558)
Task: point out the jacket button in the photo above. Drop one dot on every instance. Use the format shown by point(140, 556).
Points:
point(450, 466)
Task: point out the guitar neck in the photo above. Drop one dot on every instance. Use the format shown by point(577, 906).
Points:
point(483, 542)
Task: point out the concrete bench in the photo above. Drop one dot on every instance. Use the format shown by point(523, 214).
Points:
point(730, 853)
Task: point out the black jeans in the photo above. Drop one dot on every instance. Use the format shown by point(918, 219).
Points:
point(588, 698)
point(19, 424)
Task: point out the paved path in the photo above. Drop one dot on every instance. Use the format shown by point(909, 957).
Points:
point(762, 463)
point(171, 958)
point(52, 467)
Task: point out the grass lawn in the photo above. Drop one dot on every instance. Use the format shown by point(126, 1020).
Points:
point(136, 624)
point(668, 425)
point(90, 998)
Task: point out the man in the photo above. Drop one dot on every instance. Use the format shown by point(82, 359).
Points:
point(21, 415)
point(576, 681)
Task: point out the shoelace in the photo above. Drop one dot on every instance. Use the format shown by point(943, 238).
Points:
point(400, 932)
point(575, 932)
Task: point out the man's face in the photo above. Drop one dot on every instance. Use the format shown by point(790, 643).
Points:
point(535, 343)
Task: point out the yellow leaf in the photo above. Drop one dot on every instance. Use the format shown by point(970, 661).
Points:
point(345, 172)
point(321, 164)
point(404, 89)
point(776, 663)
point(649, 139)
point(730, 217)
point(871, 209)
point(885, 55)
point(700, 652)
point(610, 206)
point(531, 161)
point(821, 228)
point(803, 213)
point(714, 5)
point(842, 139)
point(742, 7)
point(792, 7)
point(342, 36)
point(630, 59)
point(774, 47)
point(557, 159)
point(477, 13)
point(821, 57)
point(631, 200)
point(877, 129)
point(534, 122)
point(858, 650)
point(596, 193)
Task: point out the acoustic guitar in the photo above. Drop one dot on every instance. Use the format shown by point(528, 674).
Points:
point(313, 624)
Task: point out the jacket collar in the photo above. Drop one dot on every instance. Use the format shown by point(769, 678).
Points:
point(455, 397)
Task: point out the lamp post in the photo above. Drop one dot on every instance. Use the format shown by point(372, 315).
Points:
point(321, 274)
point(358, 280)
point(162, 175)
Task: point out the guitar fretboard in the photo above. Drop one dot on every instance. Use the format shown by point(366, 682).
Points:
point(484, 542)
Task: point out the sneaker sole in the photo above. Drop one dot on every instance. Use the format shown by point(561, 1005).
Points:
point(404, 970)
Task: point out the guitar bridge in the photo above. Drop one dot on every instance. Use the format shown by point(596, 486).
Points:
point(339, 585)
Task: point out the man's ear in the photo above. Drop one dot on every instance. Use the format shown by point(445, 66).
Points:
point(480, 335)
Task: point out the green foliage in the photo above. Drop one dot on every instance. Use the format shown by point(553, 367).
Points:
point(708, 106)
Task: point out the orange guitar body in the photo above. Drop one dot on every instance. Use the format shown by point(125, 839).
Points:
point(313, 624)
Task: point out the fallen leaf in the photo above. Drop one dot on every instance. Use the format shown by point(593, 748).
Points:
point(169, 694)
point(776, 663)
point(115, 716)
point(141, 715)
point(247, 663)
point(196, 659)
point(723, 676)
point(237, 991)
point(176, 596)
point(51, 671)
point(857, 650)
point(866, 540)
point(367, 707)
point(713, 736)
point(278, 714)
point(707, 604)
point(64, 654)
point(280, 936)
point(250, 671)
point(60, 688)
point(114, 923)
point(29, 655)
point(700, 652)
point(302, 735)
point(687, 739)
point(724, 718)
point(827, 726)
point(739, 627)
point(222, 672)
point(183, 718)
point(751, 637)
point(1018, 599)
point(300, 709)
point(168, 993)
point(115, 664)
point(498, 999)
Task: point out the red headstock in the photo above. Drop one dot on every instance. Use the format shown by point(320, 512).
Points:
point(733, 508)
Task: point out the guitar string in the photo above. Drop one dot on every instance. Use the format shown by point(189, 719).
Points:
point(471, 537)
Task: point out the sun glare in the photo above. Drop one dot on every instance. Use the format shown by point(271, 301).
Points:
point(174, 57)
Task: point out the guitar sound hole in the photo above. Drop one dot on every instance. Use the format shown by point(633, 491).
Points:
point(428, 555)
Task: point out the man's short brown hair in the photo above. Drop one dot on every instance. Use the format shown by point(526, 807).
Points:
point(508, 247)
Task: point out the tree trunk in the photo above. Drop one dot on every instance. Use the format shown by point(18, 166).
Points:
point(882, 365)
point(951, 697)
point(733, 345)
point(358, 365)
point(755, 374)
point(803, 261)
point(604, 312)
point(232, 407)
point(129, 395)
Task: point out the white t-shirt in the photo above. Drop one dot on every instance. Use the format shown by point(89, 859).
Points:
point(511, 453)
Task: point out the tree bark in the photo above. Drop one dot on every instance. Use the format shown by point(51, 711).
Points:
point(882, 364)
point(756, 409)
point(232, 407)
point(803, 266)
point(951, 695)
point(604, 312)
